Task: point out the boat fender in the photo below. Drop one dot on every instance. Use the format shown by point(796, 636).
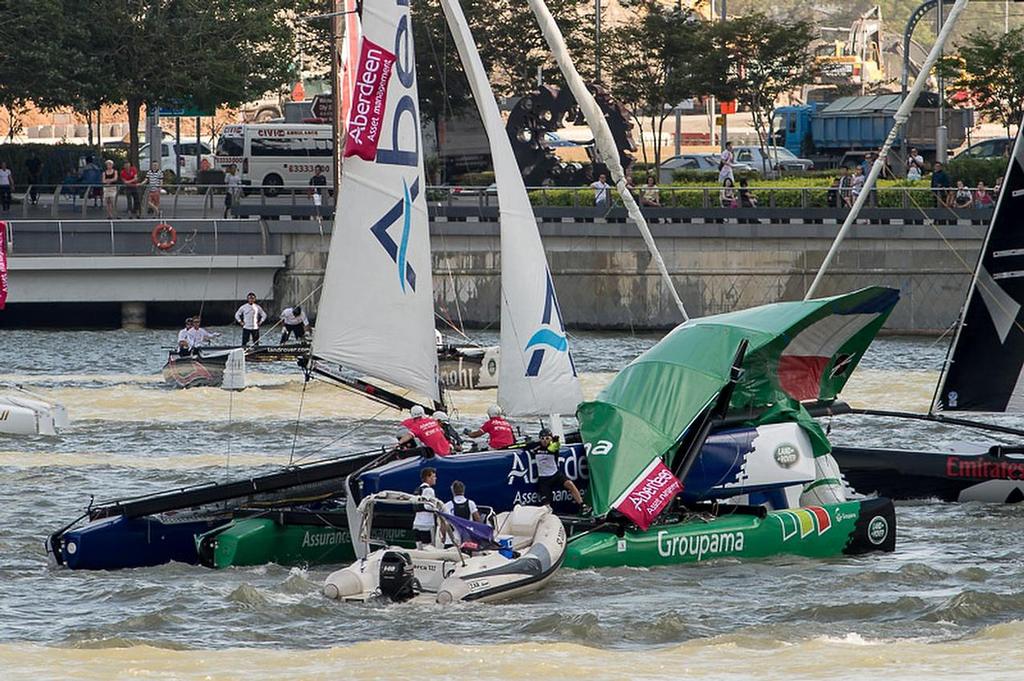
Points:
point(164, 236)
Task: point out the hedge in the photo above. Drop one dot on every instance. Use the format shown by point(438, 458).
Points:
point(57, 159)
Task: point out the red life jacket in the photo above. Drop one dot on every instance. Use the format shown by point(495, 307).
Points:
point(499, 433)
point(429, 432)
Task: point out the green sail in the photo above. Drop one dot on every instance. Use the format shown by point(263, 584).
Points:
point(804, 350)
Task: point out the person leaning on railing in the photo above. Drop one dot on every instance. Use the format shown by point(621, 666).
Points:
point(940, 185)
point(650, 195)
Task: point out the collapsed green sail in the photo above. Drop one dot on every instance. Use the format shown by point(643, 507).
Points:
point(798, 351)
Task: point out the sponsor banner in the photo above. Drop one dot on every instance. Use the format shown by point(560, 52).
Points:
point(650, 494)
point(369, 101)
point(3, 264)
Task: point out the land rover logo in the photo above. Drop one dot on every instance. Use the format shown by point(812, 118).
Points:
point(878, 530)
point(492, 367)
point(786, 455)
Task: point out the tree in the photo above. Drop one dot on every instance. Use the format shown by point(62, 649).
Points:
point(768, 58)
point(657, 60)
point(991, 69)
point(31, 47)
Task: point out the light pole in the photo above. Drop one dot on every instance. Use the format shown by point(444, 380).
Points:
point(597, 41)
point(725, 125)
point(941, 134)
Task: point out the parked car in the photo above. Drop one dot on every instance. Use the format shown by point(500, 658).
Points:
point(997, 147)
point(766, 164)
point(179, 159)
point(701, 162)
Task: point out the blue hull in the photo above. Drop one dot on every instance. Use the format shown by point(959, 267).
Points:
point(119, 542)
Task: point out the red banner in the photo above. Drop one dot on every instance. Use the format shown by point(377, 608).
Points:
point(369, 101)
point(651, 493)
point(3, 264)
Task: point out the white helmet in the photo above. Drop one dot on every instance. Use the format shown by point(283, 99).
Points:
point(417, 412)
point(439, 416)
point(493, 410)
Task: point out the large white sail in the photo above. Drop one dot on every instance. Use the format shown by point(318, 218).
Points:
point(376, 312)
point(536, 374)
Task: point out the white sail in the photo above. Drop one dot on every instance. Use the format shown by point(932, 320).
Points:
point(536, 374)
point(602, 138)
point(376, 312)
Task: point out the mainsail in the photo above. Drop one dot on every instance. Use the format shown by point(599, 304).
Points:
point(986, 367)
point(376, 313)
point(536, 374)
point(797, 351)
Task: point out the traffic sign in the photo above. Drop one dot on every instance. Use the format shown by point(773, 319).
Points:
point(323, 106)
point(184, 109)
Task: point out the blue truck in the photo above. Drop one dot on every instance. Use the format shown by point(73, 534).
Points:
point(843, 131)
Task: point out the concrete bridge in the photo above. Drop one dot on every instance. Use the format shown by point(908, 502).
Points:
point(720, 259)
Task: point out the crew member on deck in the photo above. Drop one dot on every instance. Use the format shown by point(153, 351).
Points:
point(426, 430)
point(423, 523)
point(545, 456)
point(198, 336)
point(250, 316)
point(461, 507)
point(450, 433)
point(185, 339)
point(294, 321)
point(499, 431)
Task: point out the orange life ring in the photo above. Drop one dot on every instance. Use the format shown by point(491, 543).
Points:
point(164, 236)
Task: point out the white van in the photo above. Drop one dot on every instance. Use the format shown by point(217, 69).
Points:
point(180, 159)
point(276, 154)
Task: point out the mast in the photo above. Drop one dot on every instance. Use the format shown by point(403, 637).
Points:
point(901, 117)
point(602, 137)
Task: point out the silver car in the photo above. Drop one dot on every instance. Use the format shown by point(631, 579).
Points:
point(766, 163)
point(705, 162)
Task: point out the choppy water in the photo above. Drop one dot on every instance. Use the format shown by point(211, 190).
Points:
point(950, 600)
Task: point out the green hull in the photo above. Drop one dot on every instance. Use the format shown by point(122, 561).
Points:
point(849, 528)
point(258, 541)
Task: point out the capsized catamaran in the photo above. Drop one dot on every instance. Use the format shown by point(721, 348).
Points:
point(23, 412)
point(984, 372)
point(644, 431)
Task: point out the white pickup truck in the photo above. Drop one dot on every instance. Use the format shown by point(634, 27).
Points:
point(177, 158)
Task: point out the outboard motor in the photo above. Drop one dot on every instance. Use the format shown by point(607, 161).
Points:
point(396, 578)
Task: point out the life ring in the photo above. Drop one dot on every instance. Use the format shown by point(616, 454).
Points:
point(164, 236)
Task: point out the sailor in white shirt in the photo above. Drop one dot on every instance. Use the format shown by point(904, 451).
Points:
point(185, 339)
point(198, 336)
point(250, 316)
point(294, 321)
point(423, 523)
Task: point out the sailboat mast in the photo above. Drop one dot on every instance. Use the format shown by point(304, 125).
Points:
point(901, 117)
point(602, 137)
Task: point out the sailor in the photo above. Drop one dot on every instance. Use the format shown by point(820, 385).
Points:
point(438, 339)
point(545, 457)
point(426, 430)
point(294, 321)
point(184, 339)
point(450, 434)
point(198, 336)
point(249, 316)
point(499, 431)
point(423, 523)
point(461, 506)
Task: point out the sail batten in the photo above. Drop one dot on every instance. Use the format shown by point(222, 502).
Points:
point(376, 314)
point(536, 374)
point(985, 370)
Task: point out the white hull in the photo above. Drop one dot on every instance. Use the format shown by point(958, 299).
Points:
point(448, 575)
point(25, 413)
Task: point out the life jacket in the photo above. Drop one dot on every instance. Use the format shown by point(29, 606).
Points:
point(462, 509)
point(429, 432)
point(499, 433)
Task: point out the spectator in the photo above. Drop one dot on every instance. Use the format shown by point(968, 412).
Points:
point(35, 175)
point(727, 196)
point(725, 164)
point(915, 165)
point(6, 186)
point(317, 183)
point(845, 183)
point(92, 179)
point(130, 180)
point(982, 198)
point(835, 199)
point(70, 185)
point(154, 183)
point(962, 198)
point(650, 195)
point(865, 165)
point(109, 179)
point(747, 198)
point(856, 183)
point(996, 188)
point(601, 191)
point(940, 185)
point(233, 182)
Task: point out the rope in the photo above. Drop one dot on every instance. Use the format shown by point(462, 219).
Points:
point(298, 419)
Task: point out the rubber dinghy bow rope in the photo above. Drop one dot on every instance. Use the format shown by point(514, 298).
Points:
point(602, 136)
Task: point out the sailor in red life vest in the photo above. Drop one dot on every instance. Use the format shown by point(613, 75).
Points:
point(426, 430)
point(499, 431)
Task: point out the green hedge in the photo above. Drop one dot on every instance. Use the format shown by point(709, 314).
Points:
point(975, 170)
point(482, 179)
point(57, 159)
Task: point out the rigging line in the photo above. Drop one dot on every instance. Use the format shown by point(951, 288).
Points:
point(298, 419)
point(350, 431)
point(455, 295)
point(456, 329)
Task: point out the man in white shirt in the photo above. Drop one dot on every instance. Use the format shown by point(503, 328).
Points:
point(423, 523)
point(601, 191)
point(294, 321)
point(725, 166)
point(198, 336)
point(462, 507)
point(250, 316)
point(185, 339)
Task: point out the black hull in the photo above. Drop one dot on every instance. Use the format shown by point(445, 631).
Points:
point(194, 371)
point(899, 474)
